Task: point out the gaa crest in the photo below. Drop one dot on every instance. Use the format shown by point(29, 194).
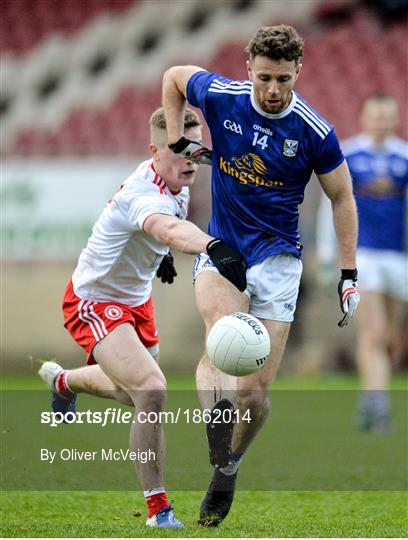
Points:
point(290, 147)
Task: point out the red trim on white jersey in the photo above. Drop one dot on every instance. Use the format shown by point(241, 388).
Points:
point(158, 180)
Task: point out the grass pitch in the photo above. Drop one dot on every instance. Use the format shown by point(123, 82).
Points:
point(253, 514)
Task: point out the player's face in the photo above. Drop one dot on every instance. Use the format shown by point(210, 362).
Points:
point(380, 118)
point(273, 82)
point(174, 169)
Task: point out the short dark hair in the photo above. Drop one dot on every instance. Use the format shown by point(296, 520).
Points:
point(158, 120)
point(281, 42)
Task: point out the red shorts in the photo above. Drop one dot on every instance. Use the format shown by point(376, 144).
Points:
point(88, 322)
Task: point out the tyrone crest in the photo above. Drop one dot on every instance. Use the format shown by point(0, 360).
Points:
point(113, 313)
point(290, 147)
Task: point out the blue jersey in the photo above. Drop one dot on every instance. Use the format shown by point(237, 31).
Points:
point(380, 181)
point(261, 164)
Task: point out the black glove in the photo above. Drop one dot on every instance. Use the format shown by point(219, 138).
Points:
point(166, 270)
point(348, 294)
point(229, 262)
point(197, 152)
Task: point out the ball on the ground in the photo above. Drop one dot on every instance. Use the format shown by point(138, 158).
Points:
point(238, 344)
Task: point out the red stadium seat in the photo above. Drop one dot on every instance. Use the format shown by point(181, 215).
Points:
point(32, 21)
point(342, 66)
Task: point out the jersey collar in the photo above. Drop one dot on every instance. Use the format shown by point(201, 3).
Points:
point(276, 116)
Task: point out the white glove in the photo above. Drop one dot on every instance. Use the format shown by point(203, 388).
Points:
point(197, 152)
point(348, 294)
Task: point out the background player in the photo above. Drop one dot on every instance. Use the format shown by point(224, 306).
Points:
point(266, 142)
point(108, 308)
point(378, 161)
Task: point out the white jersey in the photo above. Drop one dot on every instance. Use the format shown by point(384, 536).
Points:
point(120, 259)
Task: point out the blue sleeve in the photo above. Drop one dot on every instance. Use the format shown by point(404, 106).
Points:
point(328, 155)
point(197, 88)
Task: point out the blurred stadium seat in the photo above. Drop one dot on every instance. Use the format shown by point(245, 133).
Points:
point(24, 24)
point(81, 78)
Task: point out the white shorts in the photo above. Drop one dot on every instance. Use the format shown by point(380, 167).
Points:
point(383, 271)
point(272, 286)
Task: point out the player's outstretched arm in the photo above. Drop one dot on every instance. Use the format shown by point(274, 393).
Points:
point(186, 237)
point(337, 185)
point(178, 234)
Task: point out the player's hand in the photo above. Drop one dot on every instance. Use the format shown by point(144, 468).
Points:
point(197, 152)
point(166, 271)
point(229, 262)
point(348, 294)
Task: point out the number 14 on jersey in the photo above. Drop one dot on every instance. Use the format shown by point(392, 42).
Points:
point(262, 141)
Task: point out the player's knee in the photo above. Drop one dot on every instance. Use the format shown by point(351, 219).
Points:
point(123, 397)
point(210, 317)
point(155, 382)
point(255, 400)
point(152, 394)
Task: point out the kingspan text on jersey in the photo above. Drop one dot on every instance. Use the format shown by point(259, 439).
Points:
point(247, 177)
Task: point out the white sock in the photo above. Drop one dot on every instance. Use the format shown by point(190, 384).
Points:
point(154, 491)
point(232, 467)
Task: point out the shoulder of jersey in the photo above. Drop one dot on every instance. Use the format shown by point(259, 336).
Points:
point(355, 144)
point(311, 117)
point(362, 142)
point(398, 146)
point(221, 85)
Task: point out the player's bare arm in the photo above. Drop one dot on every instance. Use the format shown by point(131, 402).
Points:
point(175, 82)
point(185, 237)
point(174, 102)
point(178, 234)
point(337, 185)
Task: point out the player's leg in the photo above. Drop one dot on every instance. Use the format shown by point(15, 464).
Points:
point(215, 297)
point(273, 286)
point(252, 396)
point(373, 362)
point(125, 360)
point(253, 390)
point(396, 311)
point(67, 383)
point(92, 380)
point(372, 357)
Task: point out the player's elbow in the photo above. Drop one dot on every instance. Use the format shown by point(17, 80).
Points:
point(171, 235)
point(177, 78)
point(172, 75)
point(343, 196)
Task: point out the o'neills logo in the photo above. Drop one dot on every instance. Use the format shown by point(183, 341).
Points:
point(113, 313)
point(249, 169)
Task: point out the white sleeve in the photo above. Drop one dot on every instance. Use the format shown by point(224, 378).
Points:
point(143, 206)
point(326, 243)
